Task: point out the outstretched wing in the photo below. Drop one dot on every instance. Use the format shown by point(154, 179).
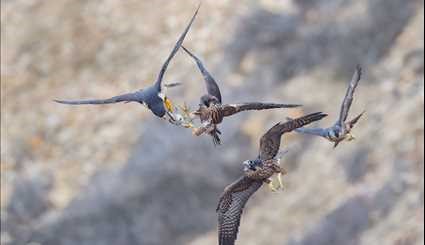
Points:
point(136, 96)
point(348, 99)
point(212, 86)
point(230, 207)
point(313, 131)
point(231, 109)
point(174, 51)
point(270, 141)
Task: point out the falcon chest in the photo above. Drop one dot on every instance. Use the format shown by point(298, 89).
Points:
point(213, 113)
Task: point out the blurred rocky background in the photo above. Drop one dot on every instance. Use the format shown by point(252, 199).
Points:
point(113, 174)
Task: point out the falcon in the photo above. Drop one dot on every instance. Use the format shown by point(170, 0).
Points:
point(152, 97)
point(256, 172)
point(211, 111)
point(341, 130)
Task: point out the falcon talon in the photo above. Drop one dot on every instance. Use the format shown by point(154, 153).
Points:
point(256, 173)
point(279, 178)
point(272, 187)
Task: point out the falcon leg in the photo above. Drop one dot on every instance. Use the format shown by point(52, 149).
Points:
point(271, 185)
point(279, 178)
point(199, 131)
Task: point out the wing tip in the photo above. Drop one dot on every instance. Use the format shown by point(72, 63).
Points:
point(359, 72)
point(62, 101)
point(293, 105)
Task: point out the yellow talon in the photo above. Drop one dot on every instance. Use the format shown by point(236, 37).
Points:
point(350, 137)
point(279, 178)
point(188, 125)
point(168, 105)
point(271, 186)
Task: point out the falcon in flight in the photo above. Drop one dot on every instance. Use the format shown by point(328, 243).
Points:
point(256, 172)
point(211, 111)
point(341, 130)
point(152, 97)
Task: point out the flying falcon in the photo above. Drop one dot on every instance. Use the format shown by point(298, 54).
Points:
point(152, 97)
point(256, 172)
point(341, 130)
point(211, 111)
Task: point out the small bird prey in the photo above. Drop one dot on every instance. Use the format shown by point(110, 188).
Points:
point(341, 130)
point(211, 110)
point(152, 97)
point(257, 172)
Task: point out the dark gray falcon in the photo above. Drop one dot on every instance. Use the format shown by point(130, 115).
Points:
point(256, 172)
point(211, 110)
point(152, 97)
point(341, 130)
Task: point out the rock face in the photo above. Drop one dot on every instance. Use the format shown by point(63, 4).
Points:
point(69, 177)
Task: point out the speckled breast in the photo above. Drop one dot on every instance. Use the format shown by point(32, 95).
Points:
point(216, 114)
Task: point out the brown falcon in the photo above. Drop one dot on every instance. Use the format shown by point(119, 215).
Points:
point(256, 172)
point(211, 111)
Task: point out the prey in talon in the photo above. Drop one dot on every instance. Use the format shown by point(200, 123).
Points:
point(256, 172)
point(267, 159)
point(183, 116)
point(264, 171)
point(341, 130)
point(212, 111)
point(152, 97)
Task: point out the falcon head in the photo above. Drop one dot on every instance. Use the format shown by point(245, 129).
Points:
point(208, 100)
point(251, 165)
point(334, 135)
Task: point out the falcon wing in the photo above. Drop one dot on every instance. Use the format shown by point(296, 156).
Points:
point(230, 207)
point(270, 141)
point(174, 51)
point(231, 109)
point(355, 120)
point(313, 131)
point(348, 99)
point(136, 96)
point(212, 86)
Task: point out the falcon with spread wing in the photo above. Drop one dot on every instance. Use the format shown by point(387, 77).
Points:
point(211, 111)
point(341, 130)
point(152, 97)
point(256, 172)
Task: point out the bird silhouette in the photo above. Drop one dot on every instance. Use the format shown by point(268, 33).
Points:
point(152, 97)
point(341, 129)
point(211, 111)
